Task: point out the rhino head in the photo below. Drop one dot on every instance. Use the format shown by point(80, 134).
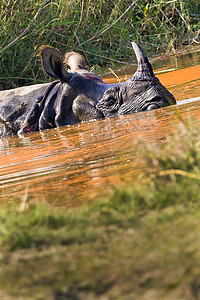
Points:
point(142, 92)
point(96, 99)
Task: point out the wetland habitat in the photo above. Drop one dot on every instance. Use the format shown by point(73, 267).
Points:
point(105, 210)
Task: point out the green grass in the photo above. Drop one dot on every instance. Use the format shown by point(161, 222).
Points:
point(95, 28)
point(142, 242)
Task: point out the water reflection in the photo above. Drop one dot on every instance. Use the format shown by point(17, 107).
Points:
point(80, 162)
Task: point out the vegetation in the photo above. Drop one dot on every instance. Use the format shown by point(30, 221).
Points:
point(143, 241)
point(101, 30)
point(140, 243)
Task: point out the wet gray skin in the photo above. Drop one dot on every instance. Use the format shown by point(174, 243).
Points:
point(78, 95)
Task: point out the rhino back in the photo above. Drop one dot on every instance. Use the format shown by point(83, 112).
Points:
point(15, 104)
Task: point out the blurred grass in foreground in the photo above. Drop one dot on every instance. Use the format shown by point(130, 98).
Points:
point(140, 243)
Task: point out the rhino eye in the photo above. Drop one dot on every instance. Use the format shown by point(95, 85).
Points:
point(111, 100)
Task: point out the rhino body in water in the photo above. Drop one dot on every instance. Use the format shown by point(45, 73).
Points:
point(78, 95)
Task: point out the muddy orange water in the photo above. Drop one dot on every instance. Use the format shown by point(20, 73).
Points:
point(80, 162)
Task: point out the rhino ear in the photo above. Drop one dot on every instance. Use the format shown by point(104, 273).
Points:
point(52, 63)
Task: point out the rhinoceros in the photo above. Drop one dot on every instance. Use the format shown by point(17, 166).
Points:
point(78, 95)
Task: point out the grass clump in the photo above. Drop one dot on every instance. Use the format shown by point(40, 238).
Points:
point(44, 226)
point(101, 30)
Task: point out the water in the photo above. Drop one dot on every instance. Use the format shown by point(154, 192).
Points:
point(78, 163)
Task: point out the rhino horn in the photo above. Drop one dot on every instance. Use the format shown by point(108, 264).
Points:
point(52, 63)
point(144, 70)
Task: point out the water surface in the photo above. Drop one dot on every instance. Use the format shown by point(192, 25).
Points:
point(81, 162)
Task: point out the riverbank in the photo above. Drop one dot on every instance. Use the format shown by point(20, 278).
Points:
point(102, 31)
point(142, 242)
